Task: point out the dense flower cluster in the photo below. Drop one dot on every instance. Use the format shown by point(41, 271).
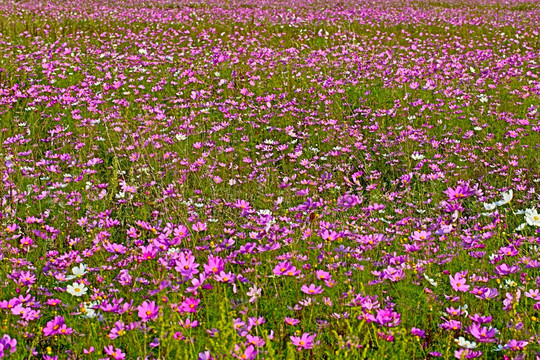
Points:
point(269, 179)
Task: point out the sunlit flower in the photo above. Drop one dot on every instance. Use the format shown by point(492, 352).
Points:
point(77, 289)
point(78, 272)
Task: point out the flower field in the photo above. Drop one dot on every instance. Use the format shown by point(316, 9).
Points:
point(269, 179)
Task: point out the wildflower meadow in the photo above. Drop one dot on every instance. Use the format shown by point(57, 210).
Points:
point(269, 179)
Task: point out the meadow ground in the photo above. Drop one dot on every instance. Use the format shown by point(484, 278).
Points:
point(276, 179)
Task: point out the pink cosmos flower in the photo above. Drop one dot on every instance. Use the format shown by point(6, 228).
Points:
point(148, 311)
point(388, 318)
point(248, 354)
point(460, 192)
point(418, 332)
point(467, 354)
point(322, 275)
point(459, 283)
point(214, 266)
point(56, 327)
point(451, 325)
point(291, 321)
point(118, 330)
point(255, 340)
point(285, 268)
point(533, 294)
point(205, 356)
point(225, 277)
point(188, 323)
point(311, 289)
point(504, 269)
point(116, 354)
point(181, 232)
point(186, 265)
point(199, 226)
point(242, 204)
point(189, 305)
point(329, 235)
point(421, 235)
point(6, 342)
point(303, 342)
point(482, 333)
point(516, 345)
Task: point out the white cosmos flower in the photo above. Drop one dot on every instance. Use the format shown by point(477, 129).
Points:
point(532, 217)
point(507, 197)
point(464, 343)
point(490, 206)
point(78, 272)
point(521, 227)
point(77, 289)
point(430, 280)
point(88, 310)
point(417, 156)
point(455, 216)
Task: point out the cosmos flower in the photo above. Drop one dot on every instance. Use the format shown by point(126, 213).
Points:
point(148, 311)
point(506, 198)
point(460, 192)
point(322, 275)
point(254, 293)
point(421, 235)
point(78, 272)
point(57, 327)
point(291, 321)
point(467, 354)
point(311, 289)
point(459, 283)
point(214, 266)
point(77, 289)
point(532, 217)
point(249, 353)
point(116, 354)
point(7, 344)
point(516, 345)
point(482, 333)
point(304, 342)
point(462, 342)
